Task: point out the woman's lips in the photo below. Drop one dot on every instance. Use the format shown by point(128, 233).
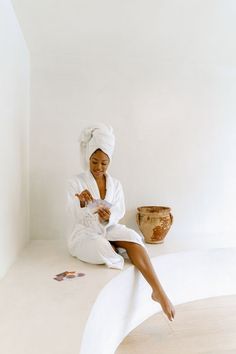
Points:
point(98, 172)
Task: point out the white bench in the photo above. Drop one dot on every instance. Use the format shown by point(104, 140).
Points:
point(92, 314)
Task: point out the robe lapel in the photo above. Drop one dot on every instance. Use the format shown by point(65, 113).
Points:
point(92, 185)
point(110, 189)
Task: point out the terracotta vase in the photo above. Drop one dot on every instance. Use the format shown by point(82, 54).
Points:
point(154, 222)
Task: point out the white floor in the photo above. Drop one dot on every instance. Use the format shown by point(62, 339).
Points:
point(201, 327)
point(39, 315)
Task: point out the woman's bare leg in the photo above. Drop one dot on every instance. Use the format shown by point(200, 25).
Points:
point(140, 258)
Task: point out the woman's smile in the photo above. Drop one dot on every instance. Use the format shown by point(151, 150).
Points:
point(98, 172)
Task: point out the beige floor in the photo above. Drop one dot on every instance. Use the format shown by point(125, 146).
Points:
point(205, 326)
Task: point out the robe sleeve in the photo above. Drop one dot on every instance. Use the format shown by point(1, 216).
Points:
point(118, 205)
point(75, 213)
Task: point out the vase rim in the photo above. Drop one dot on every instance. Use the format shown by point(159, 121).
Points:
point(153, 208)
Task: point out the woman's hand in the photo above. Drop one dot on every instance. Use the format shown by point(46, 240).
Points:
point(104, 214)
point(85, 197)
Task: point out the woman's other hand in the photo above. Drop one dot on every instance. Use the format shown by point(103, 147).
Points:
point(104, 214)
point(84, 197)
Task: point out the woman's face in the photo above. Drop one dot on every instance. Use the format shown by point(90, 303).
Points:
point(98, 163)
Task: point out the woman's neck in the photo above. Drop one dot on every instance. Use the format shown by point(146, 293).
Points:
point(100, 180)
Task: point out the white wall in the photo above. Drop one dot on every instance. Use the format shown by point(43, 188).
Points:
point(163, 74)
point(14, 115)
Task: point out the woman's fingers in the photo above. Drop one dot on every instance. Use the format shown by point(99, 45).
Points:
point(104, 213)
point(85, 196)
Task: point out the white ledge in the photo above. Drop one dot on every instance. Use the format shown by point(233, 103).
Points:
point(125, 301)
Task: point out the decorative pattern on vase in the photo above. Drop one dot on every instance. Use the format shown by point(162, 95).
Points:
point(154, 222)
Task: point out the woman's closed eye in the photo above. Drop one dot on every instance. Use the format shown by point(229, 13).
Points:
point(103, 163)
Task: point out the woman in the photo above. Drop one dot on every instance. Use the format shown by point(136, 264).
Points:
point(96, 236)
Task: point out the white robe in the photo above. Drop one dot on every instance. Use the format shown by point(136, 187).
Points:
point(88, 239)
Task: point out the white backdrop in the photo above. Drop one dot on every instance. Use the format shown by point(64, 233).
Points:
point(163, 74)
point(14, 126)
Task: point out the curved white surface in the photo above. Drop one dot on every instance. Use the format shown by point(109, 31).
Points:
point(125, 301)
point(93, 314)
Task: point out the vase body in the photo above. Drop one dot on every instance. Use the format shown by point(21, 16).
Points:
point(154, 222)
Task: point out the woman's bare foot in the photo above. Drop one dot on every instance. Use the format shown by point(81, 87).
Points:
point(166, 305)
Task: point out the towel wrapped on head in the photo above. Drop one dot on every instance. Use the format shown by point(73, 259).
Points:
point(97, 136)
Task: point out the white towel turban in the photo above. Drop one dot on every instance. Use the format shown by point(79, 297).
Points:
point(98, 136)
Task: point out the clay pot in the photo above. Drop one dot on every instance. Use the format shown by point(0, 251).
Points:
point(154, 222)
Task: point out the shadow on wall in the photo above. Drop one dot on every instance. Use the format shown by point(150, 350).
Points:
point(130, 220)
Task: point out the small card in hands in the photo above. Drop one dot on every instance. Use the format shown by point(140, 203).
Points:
point(99, 203)
point(68, 275)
